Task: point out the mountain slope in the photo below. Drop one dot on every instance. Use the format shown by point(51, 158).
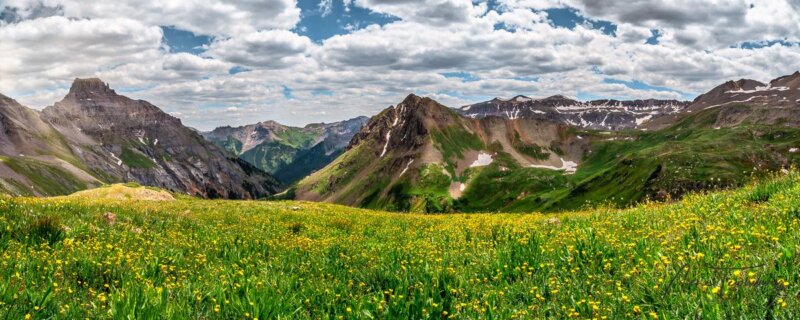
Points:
point(104, 137)
point(416, 156)
point(421, 156)
point(745, 102)
point(289, 153)
point(597, 114)
point(35, 158)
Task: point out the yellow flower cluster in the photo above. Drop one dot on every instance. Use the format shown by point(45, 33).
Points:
point(719, 255)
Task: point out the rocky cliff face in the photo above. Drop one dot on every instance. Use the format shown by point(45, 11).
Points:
point(105, 137)
point(597, 114)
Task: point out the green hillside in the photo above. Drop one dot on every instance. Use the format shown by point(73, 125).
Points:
point(626, 167)
point(723, 255)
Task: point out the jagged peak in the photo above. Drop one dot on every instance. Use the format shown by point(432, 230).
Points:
point(412, 99)
point(90, 85)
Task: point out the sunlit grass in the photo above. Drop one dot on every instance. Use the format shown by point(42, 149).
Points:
point(722, 255)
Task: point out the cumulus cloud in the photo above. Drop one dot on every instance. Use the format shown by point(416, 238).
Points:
point(48, 51)
point(211, 17)
point(269, 49)
point(703, 24)
point(430, 12)
point(457, 51)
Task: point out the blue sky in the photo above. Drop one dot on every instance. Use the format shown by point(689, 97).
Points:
point(322, 20)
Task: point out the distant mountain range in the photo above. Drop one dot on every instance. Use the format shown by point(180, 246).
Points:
point(95, 136)
point(555, 153)
point(289, 153)
point(518, 154)
point(597, 114)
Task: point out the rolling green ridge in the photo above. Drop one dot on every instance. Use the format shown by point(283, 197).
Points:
point(618, 169)
point(626, 167)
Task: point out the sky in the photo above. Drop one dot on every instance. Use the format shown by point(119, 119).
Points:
point(214, 62)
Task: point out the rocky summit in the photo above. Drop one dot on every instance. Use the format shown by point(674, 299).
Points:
point(95, 136)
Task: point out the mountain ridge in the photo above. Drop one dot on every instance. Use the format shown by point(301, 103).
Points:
point(424, 157)
point(94, 136)
point(604, 114)
point(289, 153)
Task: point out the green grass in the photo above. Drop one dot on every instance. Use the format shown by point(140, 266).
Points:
point(298, 138)
point(270, 156)
point(452, 141)
point(45, 178)
point(730, 254)
point(135, 159)
point(636, 165)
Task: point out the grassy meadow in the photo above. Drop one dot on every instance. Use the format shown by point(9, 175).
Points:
point(731, 254)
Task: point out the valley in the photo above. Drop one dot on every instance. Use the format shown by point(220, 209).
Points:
point(396, 159)
point(504, 155)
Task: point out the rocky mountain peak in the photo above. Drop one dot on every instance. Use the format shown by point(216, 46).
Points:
point(93, 86)
point(412, 99)
point(788, 81)
point(404, 123)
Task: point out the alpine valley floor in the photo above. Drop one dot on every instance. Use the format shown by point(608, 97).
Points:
point(134, 252)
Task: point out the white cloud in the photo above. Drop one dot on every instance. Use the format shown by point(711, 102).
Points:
point(211, 17)
point(511, 50)
point(49, 51)
point(268, 49)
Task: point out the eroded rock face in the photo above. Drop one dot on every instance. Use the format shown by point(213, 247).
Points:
point(133, 140)
point(597, 114)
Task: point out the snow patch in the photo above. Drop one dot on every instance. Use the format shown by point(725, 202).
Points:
point(641, 120)
point(119, 161)
point(794, 150)
point(759, 89)
point(388, 135)
point(484, 159)
point(522, 99)
point(406, 169)
point(722, 104)
point(569, 167)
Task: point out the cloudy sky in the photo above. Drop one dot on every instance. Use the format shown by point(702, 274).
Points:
point(214, 62)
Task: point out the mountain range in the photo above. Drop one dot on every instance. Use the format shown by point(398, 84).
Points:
point(597, 114)
point(555, 153)
point(289, 153)
point(518, 154)
point(95, 136)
